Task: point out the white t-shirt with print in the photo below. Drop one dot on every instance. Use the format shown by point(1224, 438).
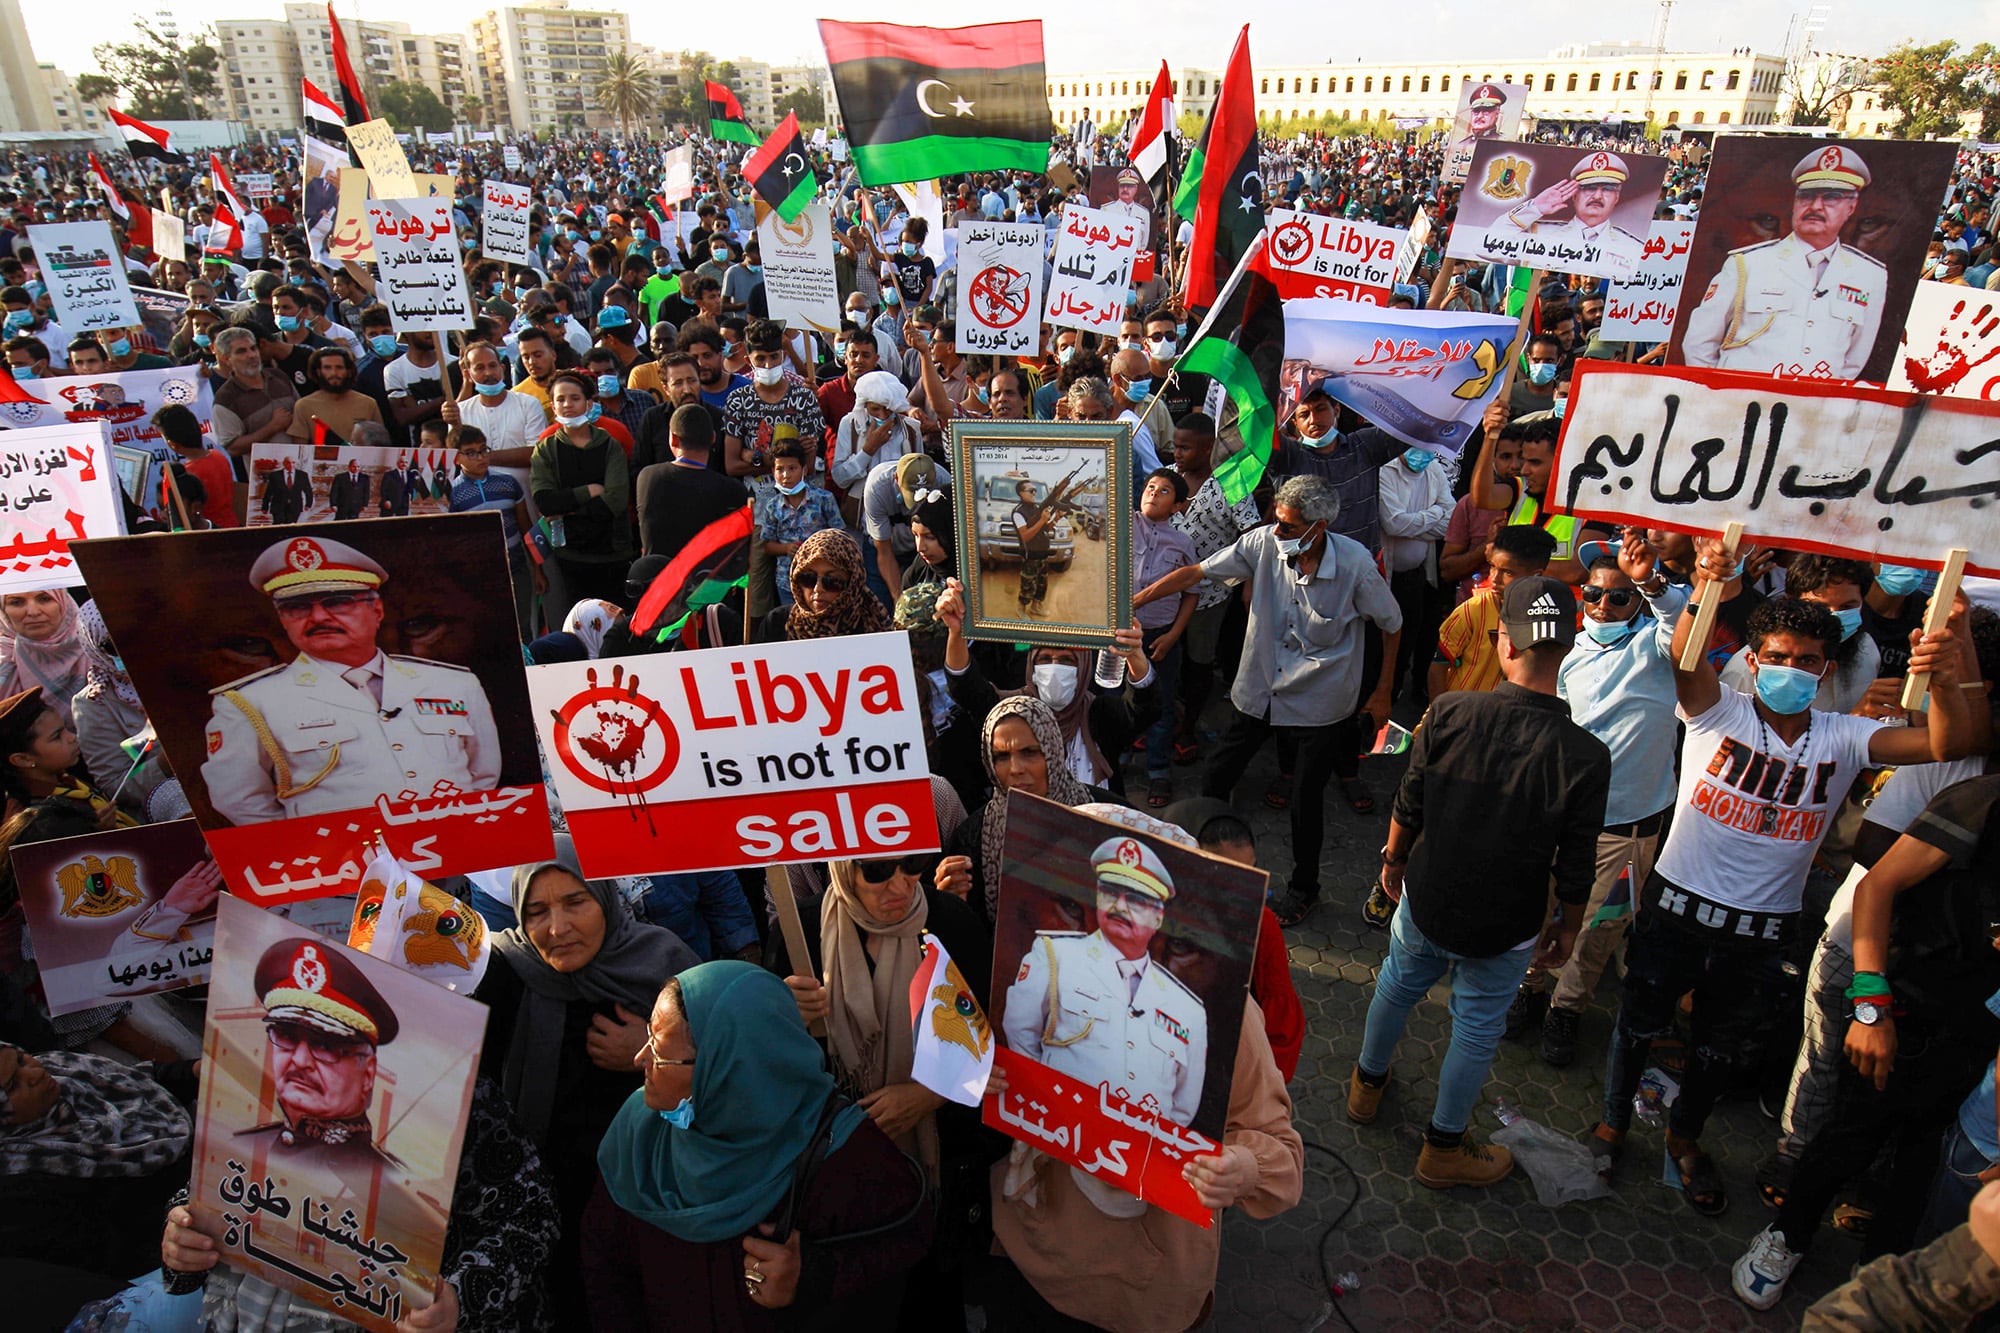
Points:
point(1751, 810)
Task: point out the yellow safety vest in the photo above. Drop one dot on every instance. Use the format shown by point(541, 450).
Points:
point(1560, 526)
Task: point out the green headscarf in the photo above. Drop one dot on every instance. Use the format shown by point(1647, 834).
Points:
point(759, 1085)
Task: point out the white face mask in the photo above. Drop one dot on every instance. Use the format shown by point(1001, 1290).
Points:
point(1055, 684)
point(768, 376)
point(562, 420)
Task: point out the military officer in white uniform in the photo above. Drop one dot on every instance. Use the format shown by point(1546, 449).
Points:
point(1100, 1008)
point(1482, 117)
point(1802, 305)
point(1127, 204)
point(1591, 191)
point(343, 722)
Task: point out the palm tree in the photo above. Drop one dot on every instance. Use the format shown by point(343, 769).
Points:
point(625, 89)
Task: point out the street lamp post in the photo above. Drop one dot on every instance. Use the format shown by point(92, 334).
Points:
point(170, 29)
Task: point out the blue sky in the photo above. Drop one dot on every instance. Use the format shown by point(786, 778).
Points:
point(1096, 37)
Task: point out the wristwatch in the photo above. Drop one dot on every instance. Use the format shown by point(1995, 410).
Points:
point(1389, 860)
point(1870, 1011)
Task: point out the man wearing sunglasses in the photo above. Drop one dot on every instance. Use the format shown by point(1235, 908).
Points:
point(323, 1021)
point(1100, 1008)
point(1619, 685)
point(343, 722)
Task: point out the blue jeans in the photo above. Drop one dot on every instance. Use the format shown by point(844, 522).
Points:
point(1160, 736)
point(1957, 1180)
point(1481, 990)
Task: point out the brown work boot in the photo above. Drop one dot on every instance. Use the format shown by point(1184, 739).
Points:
point(1363, 1102)
point(1469, 1163)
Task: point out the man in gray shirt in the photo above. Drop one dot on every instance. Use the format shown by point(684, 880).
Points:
point(1310, 590)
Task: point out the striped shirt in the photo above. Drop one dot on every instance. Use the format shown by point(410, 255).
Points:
point(1466, 643)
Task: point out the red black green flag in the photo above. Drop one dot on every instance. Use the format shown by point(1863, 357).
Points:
point(1241, 345)
point(725, 115)
point(713, 563)
point(352, 102)
point(325, 436)
point(778, 170)
point(920, 103)
point(1229, 205)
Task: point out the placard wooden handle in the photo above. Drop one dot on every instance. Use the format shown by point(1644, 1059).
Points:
point(1704, 615)
point(1918, 683)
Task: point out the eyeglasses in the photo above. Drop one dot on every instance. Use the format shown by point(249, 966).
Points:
point(1620, 597)
point(881, 872)
point(809, 580)
point(658, 1060)
point(334, 603)
point(474, 451)
point(321, 1046)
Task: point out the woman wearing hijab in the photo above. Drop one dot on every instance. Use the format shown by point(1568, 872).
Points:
point(88, 1157)
point(869, 943)
point(567, 1016)
point(1096, 727)
point(731, 1179)
point(588, 621)
point(1019, 736)
point(830, 595)
point(932, 525)
point(41, 647)
point(107, 712)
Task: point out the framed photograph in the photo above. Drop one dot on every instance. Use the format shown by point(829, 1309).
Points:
point(1045, 524)
point(132, 466)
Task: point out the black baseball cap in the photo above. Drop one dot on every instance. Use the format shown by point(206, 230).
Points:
point(1539, 609)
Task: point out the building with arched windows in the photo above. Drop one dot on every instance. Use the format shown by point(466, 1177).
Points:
point(1577, 85)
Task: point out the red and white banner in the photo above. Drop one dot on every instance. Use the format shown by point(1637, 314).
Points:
point(1319, 256)
point(760, 755)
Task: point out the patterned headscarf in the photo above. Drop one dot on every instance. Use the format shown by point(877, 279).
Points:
point(107, 1120)
point(54, 665)
point(856, 611)
point(101, 669)
point(589, 620)
point(1063, 786)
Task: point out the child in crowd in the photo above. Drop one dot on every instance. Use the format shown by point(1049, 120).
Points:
point(1159, 548)
point(795, 511)
point(479, 487)
point(1468, 655)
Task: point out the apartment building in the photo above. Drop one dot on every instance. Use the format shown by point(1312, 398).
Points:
point(539, 64)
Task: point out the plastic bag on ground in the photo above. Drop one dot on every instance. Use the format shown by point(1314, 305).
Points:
point(1562, 1169)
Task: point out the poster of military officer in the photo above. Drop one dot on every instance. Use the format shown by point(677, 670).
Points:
point(1553, 207)
point(1129, 958)
point(1807, 254)
point(334, 1094)
point(1123, 191)
point(367, 669)
point(1486, 110)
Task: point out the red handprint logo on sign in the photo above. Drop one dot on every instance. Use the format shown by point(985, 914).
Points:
point(1964, 342)
point(617, 740)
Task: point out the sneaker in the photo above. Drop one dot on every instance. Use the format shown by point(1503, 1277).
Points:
point(1378, 910)
point(1759, 1277)
point(1363, 1102)
point(1470, 1163)
point(1559, 1037)
point(1526, 1011)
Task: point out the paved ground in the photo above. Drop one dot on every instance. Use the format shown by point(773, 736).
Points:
point(1428, 1261)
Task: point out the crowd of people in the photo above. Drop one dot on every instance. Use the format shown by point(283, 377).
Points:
point(659, 1138)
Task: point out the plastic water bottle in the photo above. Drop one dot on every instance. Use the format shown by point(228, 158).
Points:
point(1110, 672)
point(1505, 1111)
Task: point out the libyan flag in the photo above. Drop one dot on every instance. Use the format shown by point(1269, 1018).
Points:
point(1228, 189)
point(1242, 345)
point(920, 103)
point(708, 568)
point(779, 173)
point(725, 115)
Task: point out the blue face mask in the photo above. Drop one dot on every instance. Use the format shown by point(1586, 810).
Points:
point(1180, 330)
point(910, 249)
point(607, 385)
point(289, 323)
point(490, 390)
point(202, 340)
point(890, 296)
point(1562, 405)
point(121, 347)
point(383, 345)
point(596, 235)
point(682, 1116)
point(1786, 689)
point(1137, 390)
point(983, 395)
point(1608, 632)
point(23, 372)
point(1416, 460)
point(754, 269)
point(18, 320)
point(596, 411)
point(1326, 441)
point(793, 489)
point(1850, 622)
point(1899, 580)
point(1542, 372)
